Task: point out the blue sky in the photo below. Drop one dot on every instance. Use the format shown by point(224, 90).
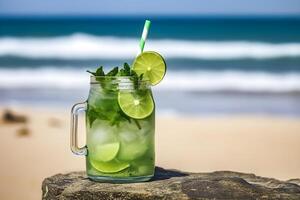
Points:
point(153, 7)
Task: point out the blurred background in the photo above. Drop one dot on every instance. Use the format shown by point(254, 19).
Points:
point(230, 99)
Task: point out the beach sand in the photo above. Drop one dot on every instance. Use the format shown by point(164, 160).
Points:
point(266, 146)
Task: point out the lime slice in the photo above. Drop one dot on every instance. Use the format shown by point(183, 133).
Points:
point(105, 152)
point(136, 104)
point(152, 65)
point(109, 167)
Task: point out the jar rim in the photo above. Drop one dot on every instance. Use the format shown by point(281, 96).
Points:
point(122, 79)
point(121, 82)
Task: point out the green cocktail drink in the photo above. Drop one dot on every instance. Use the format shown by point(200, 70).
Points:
point(120, 120)
point(119, 146)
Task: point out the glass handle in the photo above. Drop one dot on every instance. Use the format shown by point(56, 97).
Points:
point(74, 129)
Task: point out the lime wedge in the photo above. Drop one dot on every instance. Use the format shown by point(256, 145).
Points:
point(136, 104)
point(152, 65)
point(109, 167)
point(105, 152)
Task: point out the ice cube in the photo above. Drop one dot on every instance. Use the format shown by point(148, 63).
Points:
point(127, 132)
point(101, 132)
point(133, 143)
point(127, 136)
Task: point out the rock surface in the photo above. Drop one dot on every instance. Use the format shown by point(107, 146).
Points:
point(173, 184)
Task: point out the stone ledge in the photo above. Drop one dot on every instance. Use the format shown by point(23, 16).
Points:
point(172, 184)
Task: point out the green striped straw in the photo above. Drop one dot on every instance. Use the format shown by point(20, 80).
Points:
point(144, 35)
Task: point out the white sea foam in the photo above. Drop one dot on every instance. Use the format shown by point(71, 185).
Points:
point(43, 78)
point(83, 46)
point(195, 81)
point(231, 80)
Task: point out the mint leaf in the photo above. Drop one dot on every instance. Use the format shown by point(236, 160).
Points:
point(100, 72)
point(93, 73)
point(113, 72)
point(95, 113)
point(127, 69)
point(92, 116)
point(135, 79)
point(125, 116)
point(122, 72)
point(137, 123)
point(141, 77)
point(134, 75)
point(116, 117)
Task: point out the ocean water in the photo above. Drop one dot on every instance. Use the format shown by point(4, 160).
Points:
point(216, 66)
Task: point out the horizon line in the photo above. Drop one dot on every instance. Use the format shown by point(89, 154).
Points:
point(245, 16)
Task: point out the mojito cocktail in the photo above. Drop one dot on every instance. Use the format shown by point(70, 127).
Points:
point(120, 120)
